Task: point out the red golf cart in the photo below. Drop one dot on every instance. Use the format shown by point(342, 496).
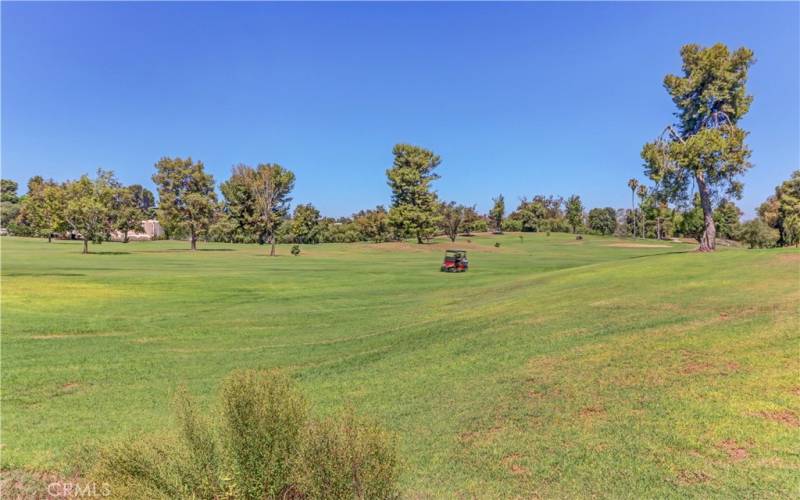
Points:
point(455, 261)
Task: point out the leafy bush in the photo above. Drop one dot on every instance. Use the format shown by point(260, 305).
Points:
point(758, 234)
point(512, 225)
point(295, 250)
point(602, 220)
point(145, 468)
point(347, 458)
point(263, 416)
point(478, 226)
point(259, 443)
point(497, 244)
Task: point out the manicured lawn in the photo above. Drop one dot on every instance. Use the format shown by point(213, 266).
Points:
point(554, 367)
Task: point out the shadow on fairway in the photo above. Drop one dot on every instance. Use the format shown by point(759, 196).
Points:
point(188, 250)
point(43, 274)
point(656, 254)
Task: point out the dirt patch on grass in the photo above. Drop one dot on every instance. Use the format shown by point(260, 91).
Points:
point(731, 367)
point(694, 364)
point(637, 245)
point(693, 368)
point(689, 477)
point(592, 411)
point(786, 417)
point(735, 451)
point(790, 257)
point(510, 462)
point(480, 437)
point(534, 394)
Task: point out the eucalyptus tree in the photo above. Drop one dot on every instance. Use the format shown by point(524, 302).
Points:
point(258, 199)
point(706, 147)
point(497, 212)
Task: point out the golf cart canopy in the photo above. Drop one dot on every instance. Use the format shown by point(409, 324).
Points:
point(456, 251)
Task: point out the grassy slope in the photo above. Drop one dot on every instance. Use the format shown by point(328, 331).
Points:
point(553, 367)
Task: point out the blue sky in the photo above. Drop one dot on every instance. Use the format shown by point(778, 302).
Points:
point(517, 98)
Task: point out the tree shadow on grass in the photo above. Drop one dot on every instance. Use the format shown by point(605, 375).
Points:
point(43, 274)
point(655, 254)
point(112, 252)
point(187, 250)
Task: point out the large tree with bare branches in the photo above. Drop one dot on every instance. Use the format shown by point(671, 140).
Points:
point(705, 147)
point(258, 199)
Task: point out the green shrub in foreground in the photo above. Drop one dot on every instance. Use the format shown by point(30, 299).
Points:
point(347, 457)
point(263, 417)
point(259, 444)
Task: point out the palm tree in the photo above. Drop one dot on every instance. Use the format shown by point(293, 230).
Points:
point(633, 184)
point(641, 192)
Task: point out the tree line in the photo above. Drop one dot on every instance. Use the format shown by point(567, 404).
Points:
point(255, 208)
point(694, 167)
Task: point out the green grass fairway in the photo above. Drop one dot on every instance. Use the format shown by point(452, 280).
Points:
point(553, 368)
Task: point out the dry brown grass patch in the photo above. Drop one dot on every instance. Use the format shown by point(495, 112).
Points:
point(689, 477)
point(592, 411)
point(786, 417)
point(694, 367)
point(790, 257)
point(735, 451)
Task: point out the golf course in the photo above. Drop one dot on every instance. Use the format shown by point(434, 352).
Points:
point(555, 367)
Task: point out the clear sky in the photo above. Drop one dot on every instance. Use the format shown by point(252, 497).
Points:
point(517, 98)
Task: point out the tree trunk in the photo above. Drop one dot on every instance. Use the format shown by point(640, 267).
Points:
point(419, 238)
point(708, 239)
point(643, 224)
point(85, 246)
point(272, 245)
point(633, 213)
point(194, 240)
point(49, 237)
point(125, 236)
